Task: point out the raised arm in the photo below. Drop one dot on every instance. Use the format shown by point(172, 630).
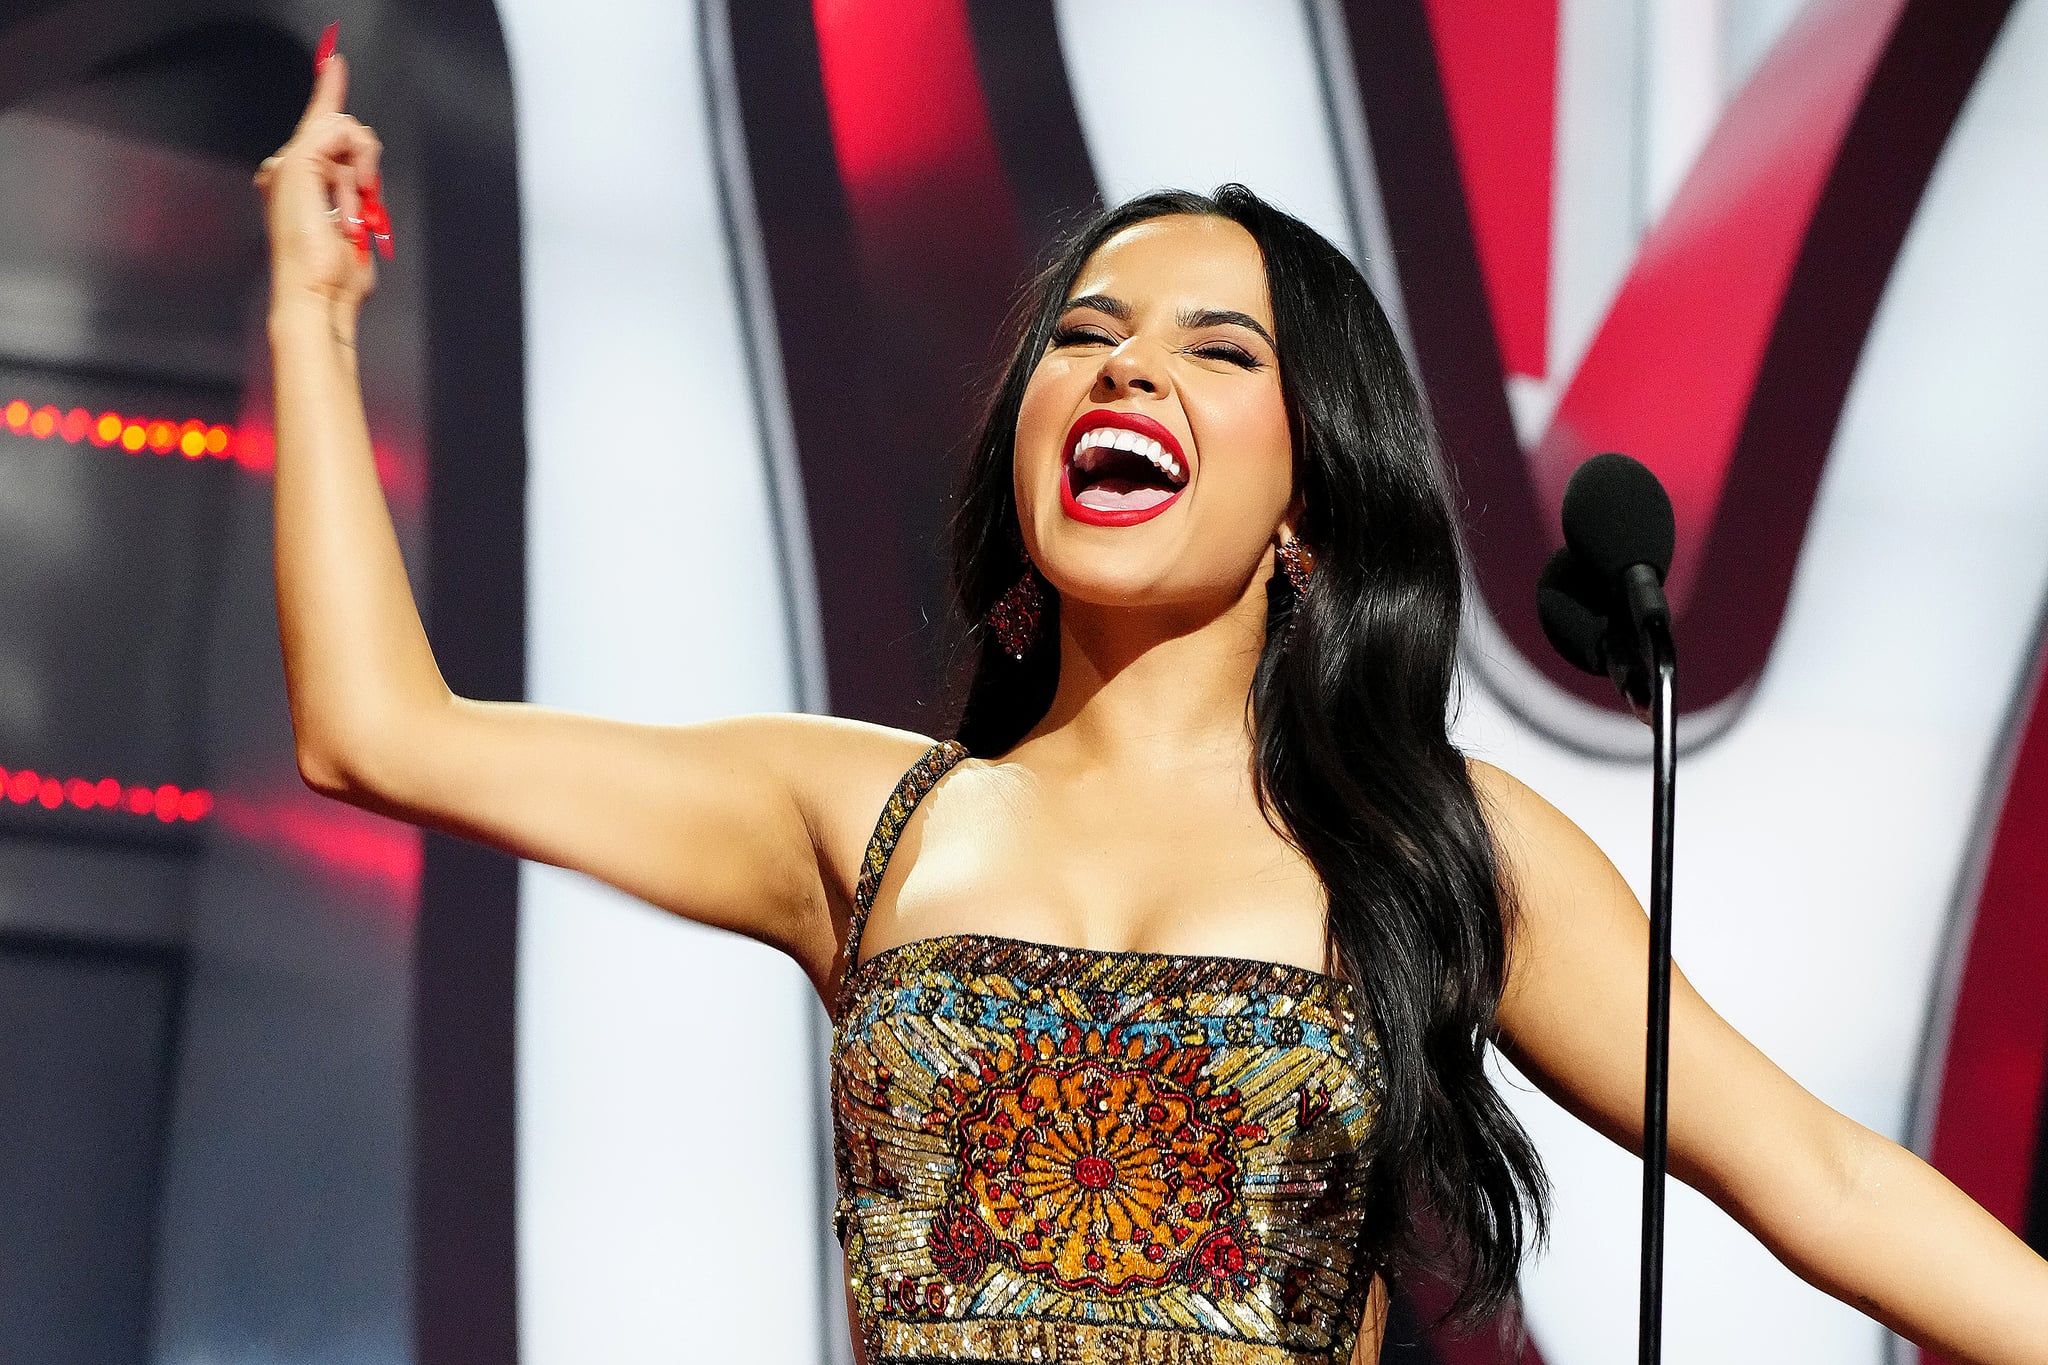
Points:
point(1847, 1210)
point(754, 825)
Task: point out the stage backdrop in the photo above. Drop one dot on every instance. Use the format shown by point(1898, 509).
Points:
point(1784, 253)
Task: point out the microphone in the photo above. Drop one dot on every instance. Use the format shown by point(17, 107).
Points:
point(1570, 605)
point(1601, 602)
point(1618, 522)
point(1573, 605)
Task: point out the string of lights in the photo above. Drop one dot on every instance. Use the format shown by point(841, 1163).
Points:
point(166, 801)
point(191, 439)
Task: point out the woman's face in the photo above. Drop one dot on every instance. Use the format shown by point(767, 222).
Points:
point(1153, 460)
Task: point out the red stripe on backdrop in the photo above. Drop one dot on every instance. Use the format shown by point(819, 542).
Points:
point(910, 127)
point(1669, 376)
point(1993, 1076)
point(1498, 63)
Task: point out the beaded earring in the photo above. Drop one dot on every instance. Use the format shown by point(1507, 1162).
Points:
point(1297, 561)
point(1019, 614)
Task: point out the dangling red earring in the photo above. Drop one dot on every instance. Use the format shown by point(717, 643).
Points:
point(1298, 562)
point(1019, 614)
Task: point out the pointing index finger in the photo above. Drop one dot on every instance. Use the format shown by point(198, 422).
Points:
point(330, 90)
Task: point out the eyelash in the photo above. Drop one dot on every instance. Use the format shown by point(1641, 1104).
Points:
point(1079, 336)
point(1215, 350)
point(1223, 350)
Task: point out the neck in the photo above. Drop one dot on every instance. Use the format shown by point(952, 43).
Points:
point(1155, 688)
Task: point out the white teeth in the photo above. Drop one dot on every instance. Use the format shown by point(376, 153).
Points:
point(1122, 438)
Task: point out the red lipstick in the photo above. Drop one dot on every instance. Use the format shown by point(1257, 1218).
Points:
point(1126, 421)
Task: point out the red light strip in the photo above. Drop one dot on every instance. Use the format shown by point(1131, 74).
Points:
point(194, 440)
point(168, 803)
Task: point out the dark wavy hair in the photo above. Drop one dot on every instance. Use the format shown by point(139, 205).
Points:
point(1349, 706)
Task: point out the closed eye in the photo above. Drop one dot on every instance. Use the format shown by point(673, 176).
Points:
point(1080, 336)
point(1235, 355)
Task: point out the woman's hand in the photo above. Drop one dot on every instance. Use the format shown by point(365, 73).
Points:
point(323, 205)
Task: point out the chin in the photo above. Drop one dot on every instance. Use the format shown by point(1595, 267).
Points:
point(1104, 576)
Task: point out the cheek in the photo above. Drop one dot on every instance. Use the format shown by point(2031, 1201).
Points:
point(1042, 420)
point(1252, 436)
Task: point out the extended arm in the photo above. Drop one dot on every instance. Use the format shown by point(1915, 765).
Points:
point(753, 824)
point(1847, 1210)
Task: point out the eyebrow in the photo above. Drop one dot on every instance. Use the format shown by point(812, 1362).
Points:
point(1191, 318)
point(1101, 303)
point(1194, 319)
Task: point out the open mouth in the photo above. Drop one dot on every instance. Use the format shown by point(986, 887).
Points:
point(1121, 468)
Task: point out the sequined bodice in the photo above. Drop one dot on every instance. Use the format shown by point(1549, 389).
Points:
point(1057, 1154)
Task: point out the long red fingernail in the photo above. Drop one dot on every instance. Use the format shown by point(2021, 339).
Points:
point(325, 50)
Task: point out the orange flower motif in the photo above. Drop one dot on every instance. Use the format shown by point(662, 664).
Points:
point(1095, 1171)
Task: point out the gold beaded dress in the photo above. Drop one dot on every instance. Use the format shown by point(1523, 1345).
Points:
point(1052, 1154)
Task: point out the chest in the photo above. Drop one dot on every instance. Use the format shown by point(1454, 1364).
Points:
point(1031, 1138)
point(1155, 867)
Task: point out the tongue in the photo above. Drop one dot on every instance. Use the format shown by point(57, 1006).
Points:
point(1123, 495)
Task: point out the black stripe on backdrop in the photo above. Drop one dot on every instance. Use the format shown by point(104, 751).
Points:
point(885, 354)
point(2036, 1226)
point(874, 582)
point(2036, 1231)
point(464, 1195)
point(1450, 321)
point(1031, 111)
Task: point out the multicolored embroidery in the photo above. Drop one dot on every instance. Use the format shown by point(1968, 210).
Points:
point(1053, 1154)
point(1095, 1161)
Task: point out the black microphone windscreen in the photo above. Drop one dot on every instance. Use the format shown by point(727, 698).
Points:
point(1616, 516)
point(1568, 595)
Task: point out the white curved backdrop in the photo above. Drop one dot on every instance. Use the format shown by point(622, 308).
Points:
point(669, 1166)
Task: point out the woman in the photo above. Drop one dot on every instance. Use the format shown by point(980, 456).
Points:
point(1161, 997)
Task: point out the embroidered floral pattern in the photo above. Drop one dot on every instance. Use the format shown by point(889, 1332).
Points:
point(1115, 1173)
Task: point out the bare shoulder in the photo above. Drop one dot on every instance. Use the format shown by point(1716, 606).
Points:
point(1551, 864)
point(842, 772)
point(1575, 921)
point(1526, 829)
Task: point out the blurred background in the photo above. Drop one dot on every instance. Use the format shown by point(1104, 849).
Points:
point(691, 307)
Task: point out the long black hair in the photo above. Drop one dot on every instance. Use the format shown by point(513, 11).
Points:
point(1349, 708)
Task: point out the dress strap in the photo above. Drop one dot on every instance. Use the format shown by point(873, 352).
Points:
point(910, 790)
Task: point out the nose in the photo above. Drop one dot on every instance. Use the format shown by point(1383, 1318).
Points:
point(1133, 367)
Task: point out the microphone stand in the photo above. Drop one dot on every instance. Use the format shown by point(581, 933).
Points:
point(1652, 619)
